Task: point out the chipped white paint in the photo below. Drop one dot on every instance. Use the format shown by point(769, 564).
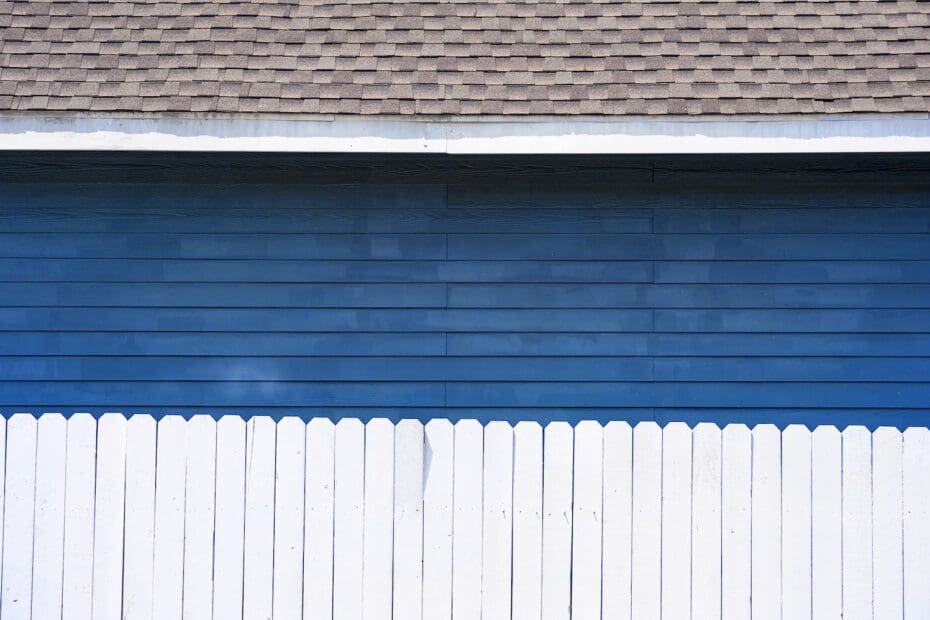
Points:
point(467, 135)
point(260, 519)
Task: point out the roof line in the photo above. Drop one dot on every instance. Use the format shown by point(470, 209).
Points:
point(468, 135)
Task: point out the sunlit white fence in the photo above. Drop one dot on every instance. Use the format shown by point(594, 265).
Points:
point(254, 519)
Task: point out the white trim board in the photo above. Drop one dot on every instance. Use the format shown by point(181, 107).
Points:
point(823, 134)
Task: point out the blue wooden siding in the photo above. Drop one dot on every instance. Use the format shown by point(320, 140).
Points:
point(743, 289)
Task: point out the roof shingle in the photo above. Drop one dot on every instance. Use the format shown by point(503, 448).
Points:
point(510, 57)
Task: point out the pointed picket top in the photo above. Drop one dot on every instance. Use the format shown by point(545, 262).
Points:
point(317, 424)
point(613, 425)
point(347, 424)
point(524, 427)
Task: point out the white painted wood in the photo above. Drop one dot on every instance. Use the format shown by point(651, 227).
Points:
point(289, 519)
point(766, 522)
point(736, 520)
point(468, 135)
point(19, 511)
point(80, 464)
point(467, 515)
point(705, 522)
point(916, 517)
point(796, 523)
point(378, 538)
point(408, 520)
point(229, 522)
point(108, 517)
point(647, 521)
point(497, 526)
point(587, 520)
point(826, 524)
point(527, 521)
point(676, 521)
point(437, 519)
point(857, 523)
point(887, 524)
point(139, 531)
point(200, 495)
point(348, 519)
point(618, 521)
point(258, 547)
point(318, 520)
point(2, 487)
point(558, 462)
point(170, 467)
point(48, 549)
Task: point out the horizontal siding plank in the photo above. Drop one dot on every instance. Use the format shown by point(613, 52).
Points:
point(165, 218)
point(684, 295)
point(332, 319)
point(425, 368)
point(711, 345)
point(259, 295)
point(685, 246)
point(283, 270)
point(254, 246)
point(892, 369)
point(555, 394)
point(144, 193)
point(222, 394)
point(792, 220)
point(794, 271)
point(851, 320)
point(261, 344)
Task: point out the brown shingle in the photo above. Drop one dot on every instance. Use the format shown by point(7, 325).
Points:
point(547, 57)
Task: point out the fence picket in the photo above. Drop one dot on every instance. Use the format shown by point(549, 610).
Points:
point(437, 520)
point(170, 466)
point(49, 521)
point(80, 465)
point(796, 523)
point(857, 523)
point(348, 497)
point(736, 500)
point(916, 488)
point(378, 540)
point(408, 520)
point(18, 517)
point(766, 523)
point(199, 494)
point(618, 514)
point(887, 514)
point(258, 547)
point(230, 518)
point(140, 518)
point(466, 525)
point(497, 521)
point(647, 521)
point(705, 522)
point(826, 524)
point(318, 520)
point(558, 461)
point(108, 517)
point(676, 521)
point(288, 577)
point(527, 521)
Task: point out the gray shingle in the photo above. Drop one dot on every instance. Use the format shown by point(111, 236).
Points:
point(512, 57)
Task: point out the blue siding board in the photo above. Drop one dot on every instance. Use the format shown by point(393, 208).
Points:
point(745, 290)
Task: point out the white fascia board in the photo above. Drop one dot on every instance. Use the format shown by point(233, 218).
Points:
point(640, 135)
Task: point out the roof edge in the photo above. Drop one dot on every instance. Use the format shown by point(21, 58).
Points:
point(466, 135)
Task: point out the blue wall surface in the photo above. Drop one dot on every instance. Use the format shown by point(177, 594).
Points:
point(750, 289)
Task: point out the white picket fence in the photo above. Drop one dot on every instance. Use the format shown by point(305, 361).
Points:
point(254, 519)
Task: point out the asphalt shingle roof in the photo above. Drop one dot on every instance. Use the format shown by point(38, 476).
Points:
point(499, 57)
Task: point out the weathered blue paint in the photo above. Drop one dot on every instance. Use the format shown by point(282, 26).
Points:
point(723, 290)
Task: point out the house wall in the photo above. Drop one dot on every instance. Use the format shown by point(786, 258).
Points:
point(697, 289)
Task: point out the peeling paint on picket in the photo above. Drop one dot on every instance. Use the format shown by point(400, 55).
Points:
point(135, 519)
